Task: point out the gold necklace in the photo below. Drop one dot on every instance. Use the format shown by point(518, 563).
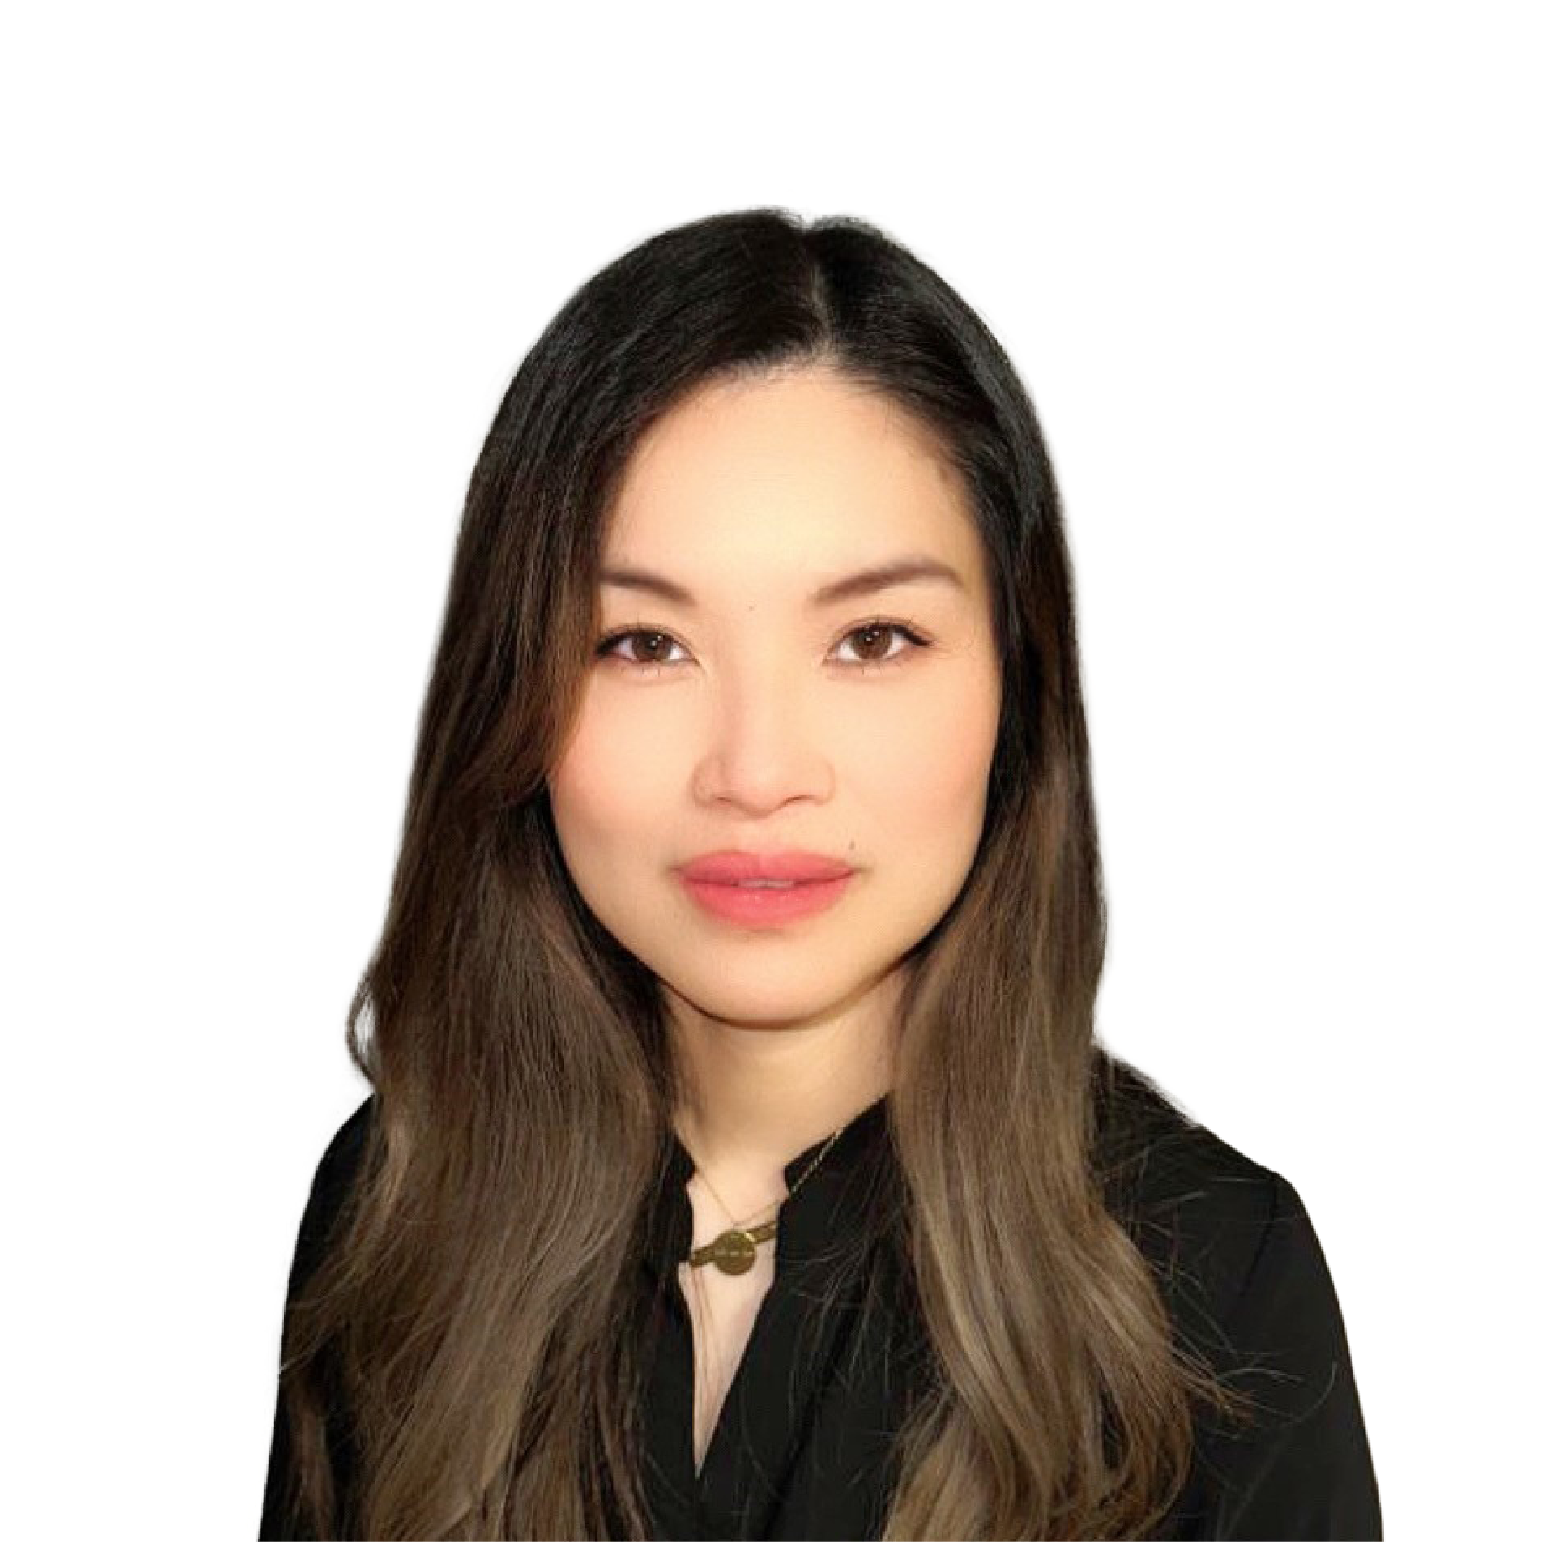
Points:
point(733, 1251)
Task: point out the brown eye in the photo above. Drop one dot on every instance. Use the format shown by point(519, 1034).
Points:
point(874, 642)
point(652, 646)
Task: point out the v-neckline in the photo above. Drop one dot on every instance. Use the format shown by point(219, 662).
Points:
point(753, 1351)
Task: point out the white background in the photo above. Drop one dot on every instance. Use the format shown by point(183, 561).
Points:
point(1271, 277)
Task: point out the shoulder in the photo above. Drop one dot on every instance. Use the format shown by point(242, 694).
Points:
point(335, 1175)
point(1250, 1291)
point(1229, 1240)
point(1204, 1213)
point(344, 1151)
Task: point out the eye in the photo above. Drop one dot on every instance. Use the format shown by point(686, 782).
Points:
point(653, 646)
point(655, 643)
point(888, 632)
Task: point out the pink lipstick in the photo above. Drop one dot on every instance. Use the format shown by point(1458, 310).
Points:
point(765, 888)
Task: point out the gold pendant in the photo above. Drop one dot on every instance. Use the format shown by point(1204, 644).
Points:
point(733, 1251)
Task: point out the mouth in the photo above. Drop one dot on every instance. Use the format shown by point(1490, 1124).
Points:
point(778, 868)
point(766, 902)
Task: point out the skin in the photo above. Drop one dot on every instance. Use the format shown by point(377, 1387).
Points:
point(750, 725)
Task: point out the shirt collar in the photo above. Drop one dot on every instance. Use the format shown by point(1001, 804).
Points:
point(828, 1198)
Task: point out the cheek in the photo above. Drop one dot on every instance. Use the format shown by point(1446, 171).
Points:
point(613, 775)
point(928, 767)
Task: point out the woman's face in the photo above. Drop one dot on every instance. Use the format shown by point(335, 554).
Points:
point(747, 714)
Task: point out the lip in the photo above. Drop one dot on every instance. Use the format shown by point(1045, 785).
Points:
point(734, 867)
point(715, 881)
point(767, 907)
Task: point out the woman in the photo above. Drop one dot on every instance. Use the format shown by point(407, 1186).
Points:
point(741, 1160)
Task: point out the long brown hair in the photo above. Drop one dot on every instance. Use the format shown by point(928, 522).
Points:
point(464, 1321)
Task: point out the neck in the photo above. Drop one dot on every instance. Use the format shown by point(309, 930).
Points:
point(755, 1095)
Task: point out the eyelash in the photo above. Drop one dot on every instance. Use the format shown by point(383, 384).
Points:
point(865, 666)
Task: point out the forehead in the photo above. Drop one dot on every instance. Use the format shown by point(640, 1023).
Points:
point(798, 469)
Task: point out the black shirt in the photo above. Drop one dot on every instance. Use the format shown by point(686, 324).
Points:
point(803, 1442)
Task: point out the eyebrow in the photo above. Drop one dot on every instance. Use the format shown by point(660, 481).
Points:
point(902, 570)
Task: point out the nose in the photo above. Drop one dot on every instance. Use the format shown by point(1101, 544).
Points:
point(764, 745)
